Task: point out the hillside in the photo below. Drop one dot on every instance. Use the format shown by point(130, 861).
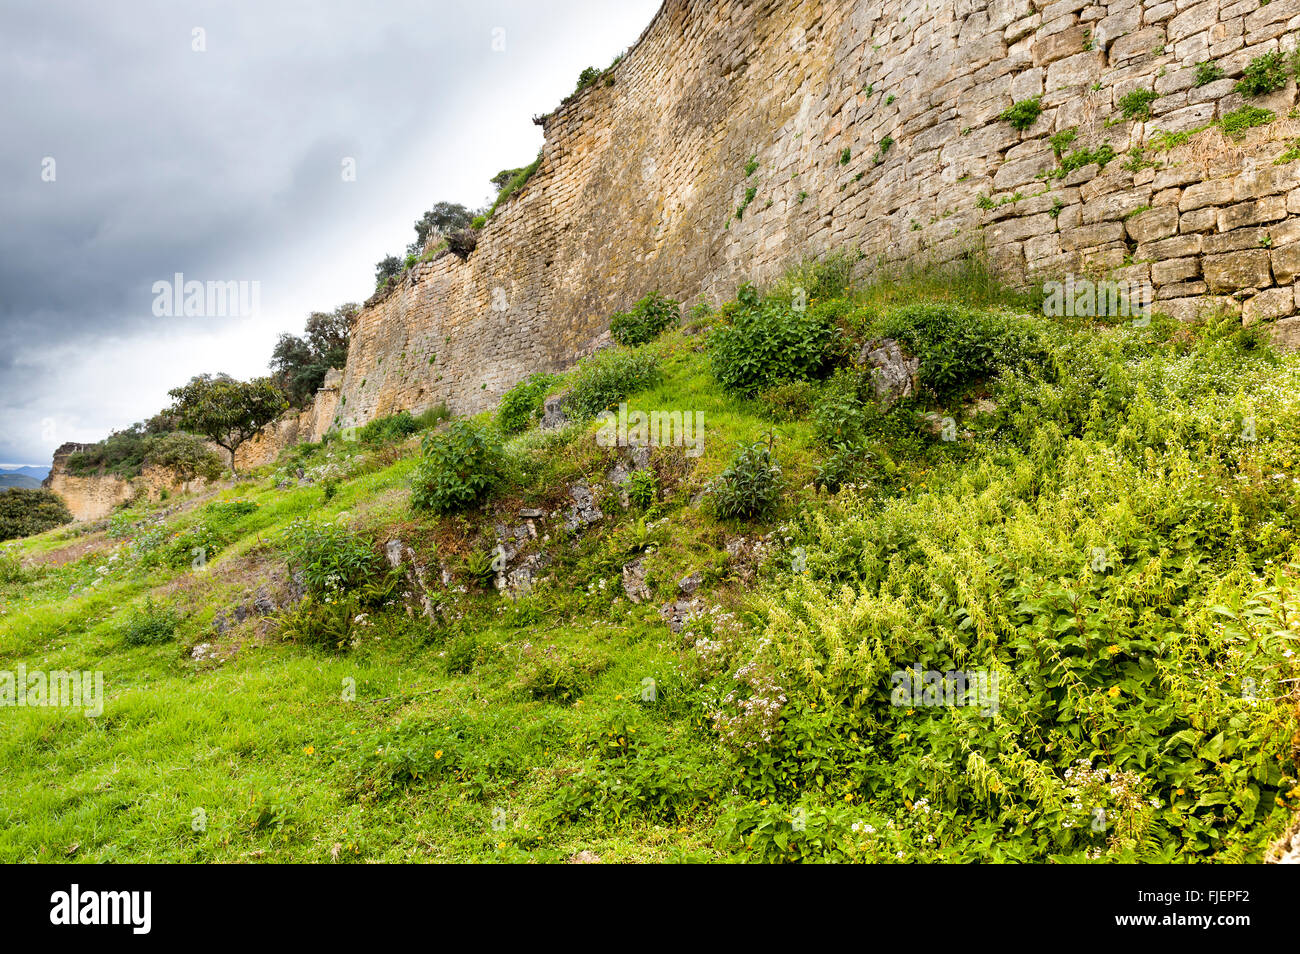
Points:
point(608, 652)
point(8, 479)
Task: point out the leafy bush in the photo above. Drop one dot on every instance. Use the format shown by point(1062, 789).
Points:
point(609, 376)
point(790, 401)
point(1264, 74)
point(1081, 558)
point(25, 511)
point(150, 625)
point(332, 559)
point(643, 488)
point(126, 453)
point(629, 775)
point(383, 430)
point(463, 653)
point(750, 486)
point(646, 320)
point(481, 567)
point(819, 279)
point(187, 456)
point(522, 404)
point(194, 546)
point(514, 184)
point(767, 341)
point(1023, 114)
point(329, 624)
point(459, 468)
point(959, 346)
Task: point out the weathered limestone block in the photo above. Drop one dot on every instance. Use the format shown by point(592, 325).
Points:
point(1154, 224)
point(1267, 305)
point(1234, 271)
point(1173, 271)
point(1286, 263)
point(1092, 236)
point(1200, 194)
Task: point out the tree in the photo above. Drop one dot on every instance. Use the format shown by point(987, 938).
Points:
point(24, 512)
point(445, 218)
point(389, 267)
point(225, 411)
point(299, 365)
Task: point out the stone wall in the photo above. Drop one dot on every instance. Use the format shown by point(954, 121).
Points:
point(295, 427)
point(874, 126)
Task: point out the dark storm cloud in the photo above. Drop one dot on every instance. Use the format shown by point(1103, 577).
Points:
point(225, 165)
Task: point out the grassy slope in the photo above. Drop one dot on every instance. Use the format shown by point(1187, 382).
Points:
point(425, 764)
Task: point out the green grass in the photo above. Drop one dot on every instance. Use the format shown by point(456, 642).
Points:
point(521, 730)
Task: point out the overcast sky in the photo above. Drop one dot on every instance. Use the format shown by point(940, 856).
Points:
point(227, 163)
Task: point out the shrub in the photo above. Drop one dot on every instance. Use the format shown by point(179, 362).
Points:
point(514, 184)
point(481, 567)
point(1023, 114)
point(382, 430)
point(958, 346)
point(643, 488)
point(522, 404)
point(646, 320)
point(150, 625)
point(1136, 104)
point(846, 466)
point(819, 279)
point(1264, 74)
point(769, 341)
point(331, 558)
point(193, 546)
point(459, 468)
point(750, 486)
point(844, 413)
point(463, 653)
point(609, 376)
point(1102, 155)
point(323, 623)
point(187, 456)
point(789, 401)
point(25, 511)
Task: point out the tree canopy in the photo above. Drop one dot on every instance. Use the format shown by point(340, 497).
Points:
point(299, 364)
point(226, 411)
point(24, 512)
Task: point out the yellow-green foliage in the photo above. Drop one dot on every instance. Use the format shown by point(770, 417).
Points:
point(1111, 531)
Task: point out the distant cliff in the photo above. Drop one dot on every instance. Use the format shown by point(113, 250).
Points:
point(93, 496)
